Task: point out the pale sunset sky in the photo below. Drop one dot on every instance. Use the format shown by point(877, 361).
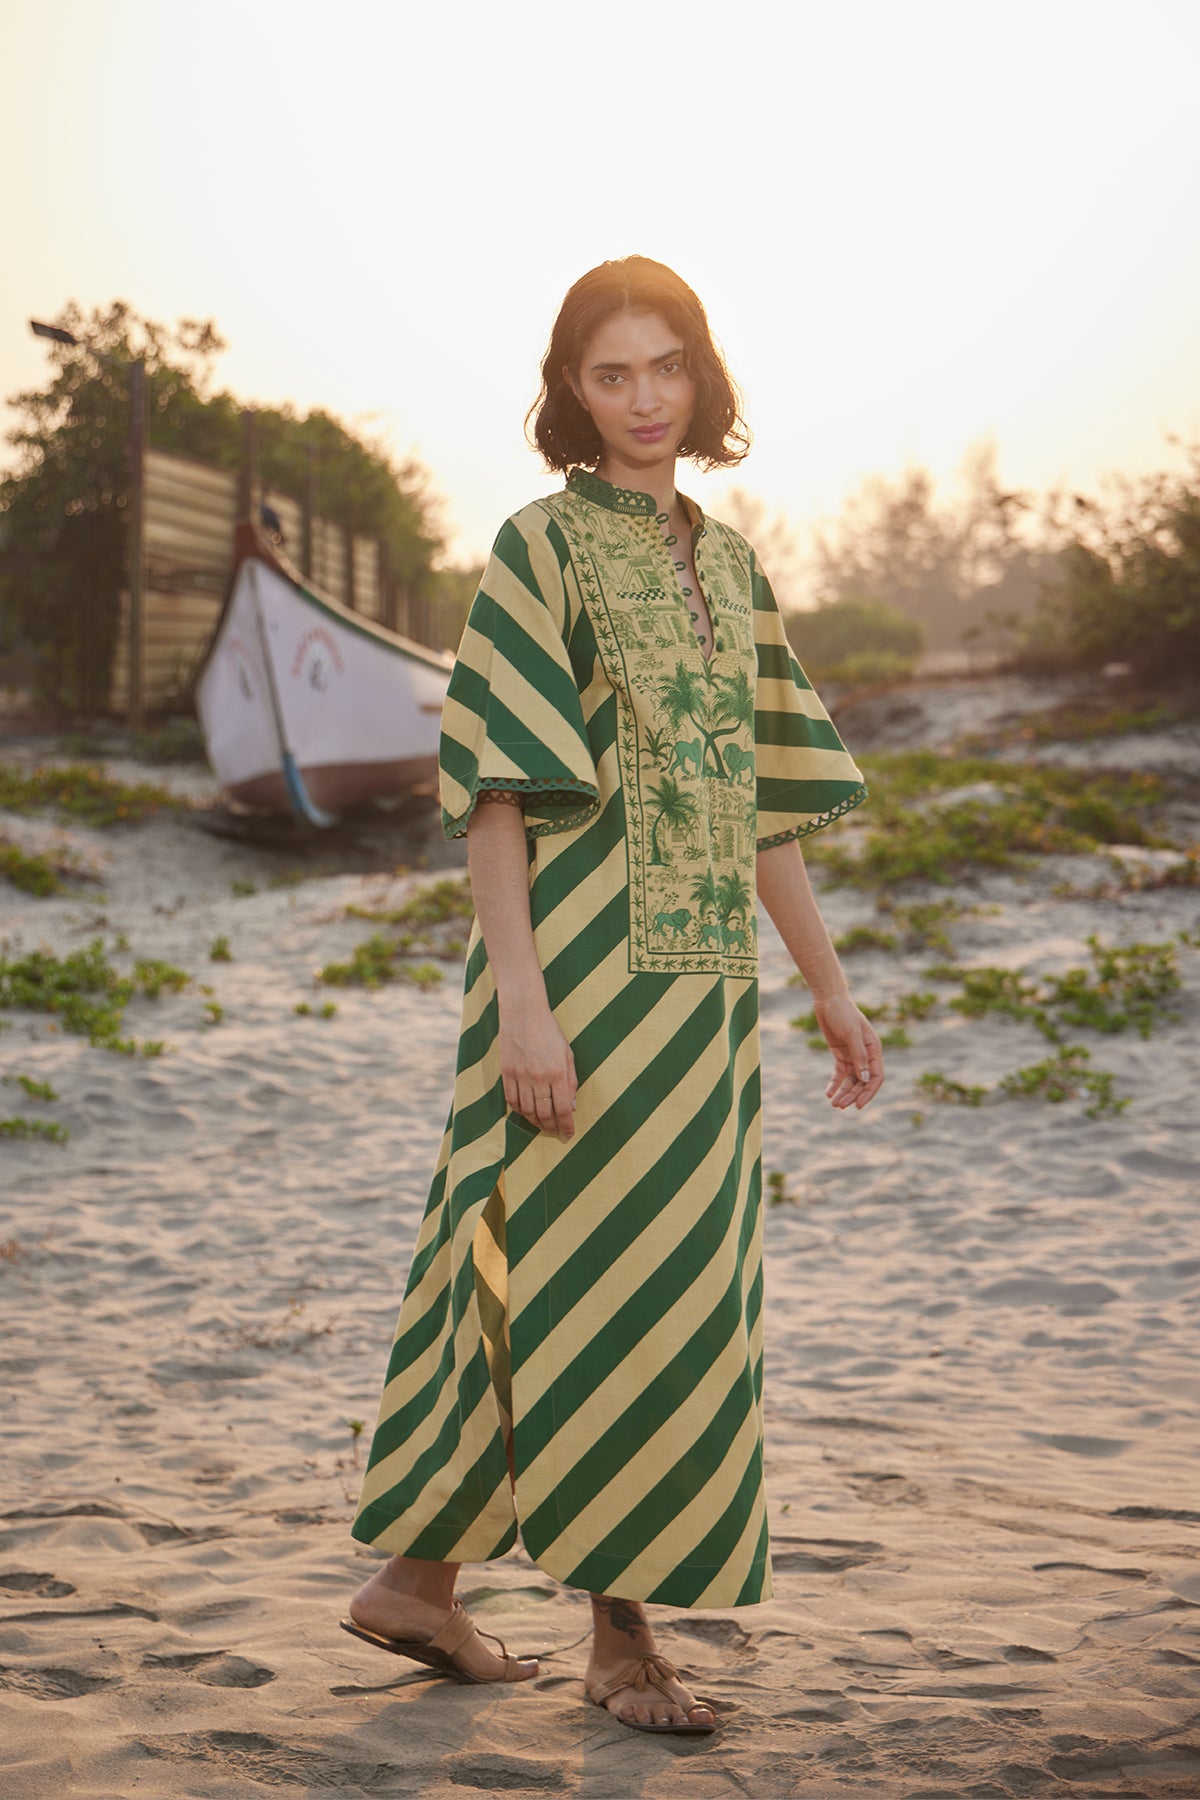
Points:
point(914, 225)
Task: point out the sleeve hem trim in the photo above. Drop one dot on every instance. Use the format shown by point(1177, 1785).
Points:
point(814, 824)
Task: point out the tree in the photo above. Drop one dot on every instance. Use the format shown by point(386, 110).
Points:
point(733, 896)
point(1127, 588)
point(62, 508)
point(717, 705)
point(945, 566)
point(704, 895)
point(673, 806)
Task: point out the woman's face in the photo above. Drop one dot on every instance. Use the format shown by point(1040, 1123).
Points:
point(632, 380)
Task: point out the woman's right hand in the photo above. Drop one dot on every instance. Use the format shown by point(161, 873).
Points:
point(537, 1067)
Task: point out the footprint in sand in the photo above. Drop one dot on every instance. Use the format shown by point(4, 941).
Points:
point(50, 1684)
point(823, 1555)
point(215, 1668)
point(26, 1581)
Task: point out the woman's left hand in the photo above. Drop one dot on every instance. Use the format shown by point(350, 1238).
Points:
point(857, 1053)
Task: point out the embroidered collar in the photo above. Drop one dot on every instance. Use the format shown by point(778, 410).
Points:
point(623, 500)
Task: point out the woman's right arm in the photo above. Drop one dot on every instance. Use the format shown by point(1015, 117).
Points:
point(535, 1058)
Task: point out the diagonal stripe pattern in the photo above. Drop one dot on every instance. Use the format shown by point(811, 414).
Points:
point(598, 1305)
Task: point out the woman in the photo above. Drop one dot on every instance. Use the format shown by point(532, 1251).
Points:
point(630, 750)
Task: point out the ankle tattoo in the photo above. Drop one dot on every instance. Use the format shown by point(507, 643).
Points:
point(622, 1615)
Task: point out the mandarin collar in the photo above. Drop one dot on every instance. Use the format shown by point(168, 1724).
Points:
point(590, 486)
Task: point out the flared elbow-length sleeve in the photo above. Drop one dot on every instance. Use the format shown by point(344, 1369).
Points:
point(513, 717)
point(805, 776)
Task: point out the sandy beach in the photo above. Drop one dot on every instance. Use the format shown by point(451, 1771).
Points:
point(982, 1405)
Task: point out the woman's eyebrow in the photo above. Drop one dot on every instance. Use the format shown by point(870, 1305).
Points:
point(621, 368)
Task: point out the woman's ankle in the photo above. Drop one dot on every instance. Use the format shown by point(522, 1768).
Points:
point(619, 1625)
point(432, 1582)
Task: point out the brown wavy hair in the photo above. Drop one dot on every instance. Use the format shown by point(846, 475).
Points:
point(562, 429)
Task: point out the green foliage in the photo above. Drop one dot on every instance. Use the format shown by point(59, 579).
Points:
point(33, 1090)
point(915, 1006)
point(85, 794)
point(83, 992)
point(241, 890)
point(990, 990)
point(31, 872)
point(1123, 988)
point(857, 641)
point(1083, 723)
point(214, 1012)
point(864, 937)
point(156, 977)
point(923, 922)
point(778, 1192)
point(907, 834)
point(219, 951)
point(897, 1038)
point(1128, 589)
point(435, 904)
point(1064, 1076)
point(961, 570)
point(936, 1086)
point(64, 506)
point(376, 962)
point(49, 1129)
point(429, 913)
point(177, 740)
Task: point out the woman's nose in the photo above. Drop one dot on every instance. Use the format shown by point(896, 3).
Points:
point(644, 397)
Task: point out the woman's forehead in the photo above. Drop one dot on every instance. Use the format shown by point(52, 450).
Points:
point(629, 337)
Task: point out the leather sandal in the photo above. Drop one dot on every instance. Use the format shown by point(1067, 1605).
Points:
point(440, 1651)
point(651, 1671)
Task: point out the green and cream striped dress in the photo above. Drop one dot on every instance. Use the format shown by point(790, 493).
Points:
point(604, 1297)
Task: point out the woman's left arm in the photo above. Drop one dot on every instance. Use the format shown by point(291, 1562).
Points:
point(786, 892)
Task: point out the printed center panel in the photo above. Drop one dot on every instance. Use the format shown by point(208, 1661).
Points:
point(685, 749)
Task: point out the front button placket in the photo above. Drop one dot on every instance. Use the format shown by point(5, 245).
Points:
point(671, 542)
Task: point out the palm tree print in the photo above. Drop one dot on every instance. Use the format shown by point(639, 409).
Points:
point(717, 705)
point(703, 894)
point(735, 704)
point(657, 746)
point(674, 807)
point(733, 896)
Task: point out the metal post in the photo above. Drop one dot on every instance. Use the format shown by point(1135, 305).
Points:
point(248, 485)
point(135, 706)
point(387, 589)
point(310, 512)
point(350, 596)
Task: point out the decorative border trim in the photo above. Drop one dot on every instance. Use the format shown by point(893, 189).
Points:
point(826, 818)
point(576, 816)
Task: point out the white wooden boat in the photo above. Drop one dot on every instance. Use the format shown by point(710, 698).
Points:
point(307, 707)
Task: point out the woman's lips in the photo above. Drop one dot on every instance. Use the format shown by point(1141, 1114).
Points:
point(649, 434)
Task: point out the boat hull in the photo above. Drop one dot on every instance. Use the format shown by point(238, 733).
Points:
point(305, 706)
point(337, 786)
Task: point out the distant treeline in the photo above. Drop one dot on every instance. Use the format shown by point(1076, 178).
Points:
point(1046, 584)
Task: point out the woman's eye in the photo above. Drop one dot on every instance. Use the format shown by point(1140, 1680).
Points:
point(609, 379)
point(672, 368)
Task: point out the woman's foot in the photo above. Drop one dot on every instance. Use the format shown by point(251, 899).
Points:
point(622, 1639)
point(410, 1599)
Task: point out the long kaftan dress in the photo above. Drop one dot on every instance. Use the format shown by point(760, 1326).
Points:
point(603, 1298)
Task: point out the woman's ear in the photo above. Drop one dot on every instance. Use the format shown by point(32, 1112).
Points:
point(569, 378)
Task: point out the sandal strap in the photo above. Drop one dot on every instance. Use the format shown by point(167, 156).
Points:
point(459, 1627)
point(455, 1632)
point(645, 1671)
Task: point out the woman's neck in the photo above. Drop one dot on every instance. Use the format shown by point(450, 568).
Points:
point(657, 480)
